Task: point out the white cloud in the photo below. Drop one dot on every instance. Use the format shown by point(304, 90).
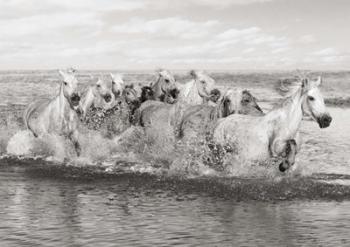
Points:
point(30, 7)
point(280, 50)
point(171, 27)
point(239, 33)
point(44, 25)
point(226, 3)
point(329, 56)
point(250, 44)
point(307, 39)
point(249, 50)
point(253, 36)
point(103, 32)
point(326, 52)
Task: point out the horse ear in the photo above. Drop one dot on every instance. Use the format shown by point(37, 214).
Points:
point(115, 78)
point(305, 83)
point(319, 81)
point(160, 71)
point(193, 73)
point(71, 70)
point(63, 74)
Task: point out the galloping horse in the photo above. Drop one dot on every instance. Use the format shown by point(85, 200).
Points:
point(274, 135)
point(165, 85)
point(117, 84)
point(100, 95)
point(161, 120)
point(113, 115)
point(199, 120)
point(57, 115)
point(194, 92)
point(198, 90)
point(120, 117)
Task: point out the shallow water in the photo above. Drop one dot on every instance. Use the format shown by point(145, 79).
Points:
point(125, 200)
point(39, 206)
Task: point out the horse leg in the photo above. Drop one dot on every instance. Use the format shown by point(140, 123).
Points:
point(73, 136)
point(288, 155)
point(298, 140)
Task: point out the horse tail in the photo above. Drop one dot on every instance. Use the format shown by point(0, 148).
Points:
point(27, 113)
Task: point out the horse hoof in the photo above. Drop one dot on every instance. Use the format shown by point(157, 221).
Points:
point(283, 166)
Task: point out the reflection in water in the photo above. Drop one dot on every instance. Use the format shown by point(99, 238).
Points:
point(131, 211)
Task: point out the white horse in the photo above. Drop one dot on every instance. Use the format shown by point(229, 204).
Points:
point(275, 134)
point(118, 84)
point(100, 95)
point(195, 92)
point(57, 115)
point(199, 120)
point(165, 85)
point(198, 90)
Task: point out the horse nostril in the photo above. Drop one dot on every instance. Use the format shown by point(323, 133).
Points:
point(328, 120)
point(75, 97)
point(107, 98)
point(324, 121)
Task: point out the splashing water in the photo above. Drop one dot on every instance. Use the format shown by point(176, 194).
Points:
point(152, 191)
point(323, 151)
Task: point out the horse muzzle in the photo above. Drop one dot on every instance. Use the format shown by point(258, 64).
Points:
point(116, 93)
point(107, 98)
point(75, 99)
point(324, 121)
point(174, 93)
point(214, 95)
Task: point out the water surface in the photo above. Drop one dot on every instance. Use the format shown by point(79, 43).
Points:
point(131, 201)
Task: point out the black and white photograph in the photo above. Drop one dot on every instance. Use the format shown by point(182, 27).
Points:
point(174, 123)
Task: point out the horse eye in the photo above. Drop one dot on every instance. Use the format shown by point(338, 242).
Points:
point(98, 86)
point(113, 82)
point(65, 83)
point(203, 82)
point(167, 80)
point(311, 98)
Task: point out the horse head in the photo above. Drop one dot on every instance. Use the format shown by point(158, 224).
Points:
point(238, 101)
point(147, 93)
point(117, 84)
point(103, 95)
point(204, 83)
point(313, 102)
point(215, 95)
point(130, 95)
point(165, 84)
point(69, 88)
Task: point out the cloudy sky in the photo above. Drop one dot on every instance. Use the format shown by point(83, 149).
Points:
point(176, 34)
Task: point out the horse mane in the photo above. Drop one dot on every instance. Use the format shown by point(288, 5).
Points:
point(287, 88)
point(160, 69)
point(71, 70)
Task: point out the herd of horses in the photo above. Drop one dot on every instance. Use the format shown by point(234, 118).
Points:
point(192, 111)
